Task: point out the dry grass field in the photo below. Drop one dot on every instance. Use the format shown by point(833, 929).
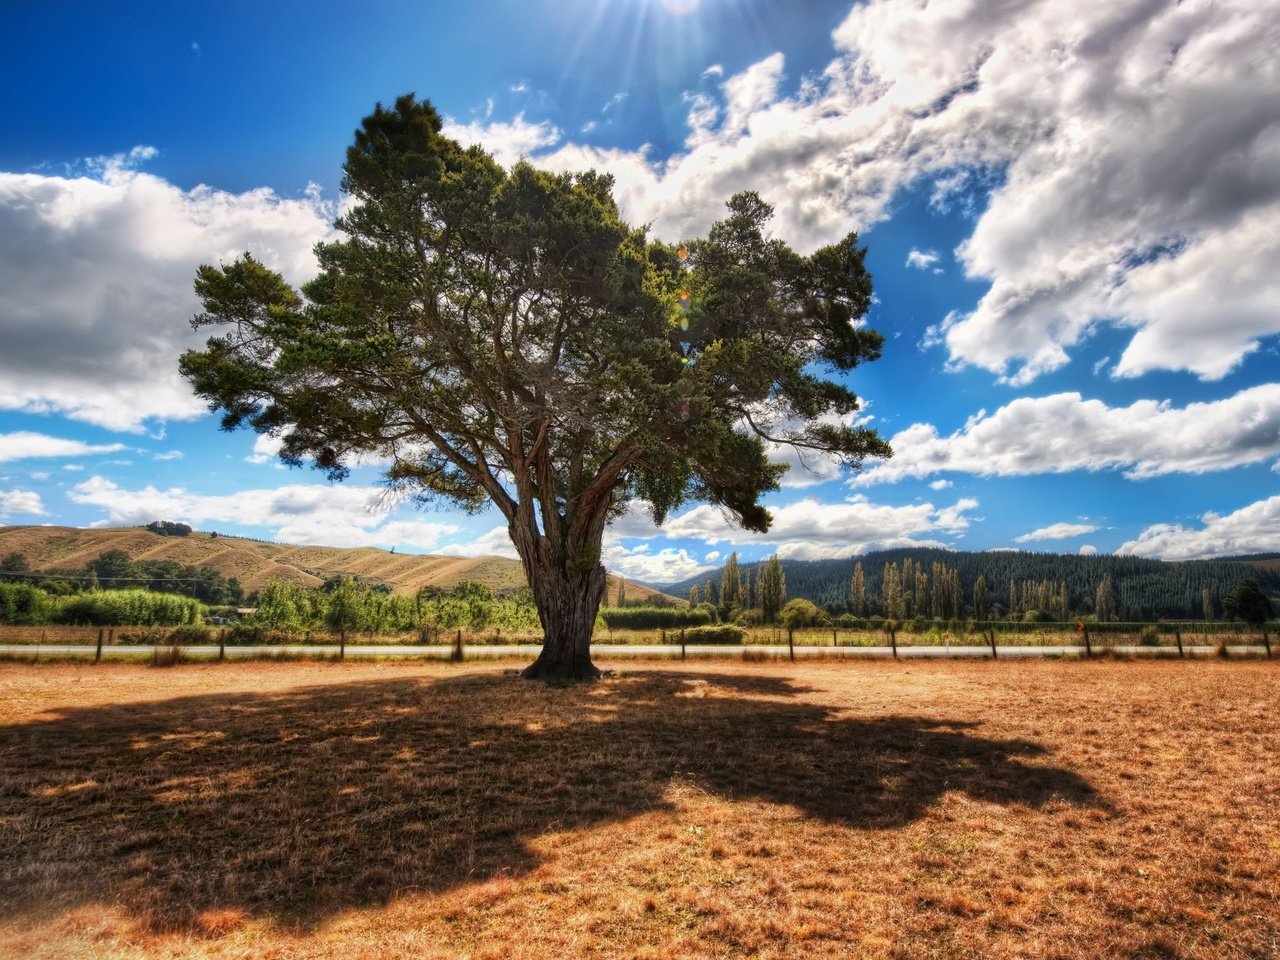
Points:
point(720, 810)
point(255, 563)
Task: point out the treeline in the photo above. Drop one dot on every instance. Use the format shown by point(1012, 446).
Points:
point(345, 604)
point(1057, 586)
point(113, 569)
point(25, 605)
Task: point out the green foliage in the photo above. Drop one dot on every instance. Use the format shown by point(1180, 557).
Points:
point(23, 604)
point(773, 589)
point(113, 608)
point(724, 633)
point(168, 528)
point(1149, 636)
point(1248, 603)
point(505, 337)
point(803, 613)
point(656, 618)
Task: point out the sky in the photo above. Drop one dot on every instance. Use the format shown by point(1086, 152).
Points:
point(1072, 215)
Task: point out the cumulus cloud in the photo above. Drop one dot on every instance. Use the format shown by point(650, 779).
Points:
point(940, 485)
point(1057, 531)
point(811, 529)
point(1134, 148)
point(667, 565)
point(24, 445)
point(338, 515)
point(95, 283)
point(1251, 529)
point(1088, 550)
point(20, 502)
point(1065, 432)
point(494, 543)
point(507, 141)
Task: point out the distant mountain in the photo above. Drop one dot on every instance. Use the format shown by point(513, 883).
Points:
point(1144, 589)
point(255, 563)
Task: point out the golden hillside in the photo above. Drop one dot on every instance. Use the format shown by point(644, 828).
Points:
point(256, 563)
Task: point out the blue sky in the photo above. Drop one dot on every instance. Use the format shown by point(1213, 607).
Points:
point(1072, 213)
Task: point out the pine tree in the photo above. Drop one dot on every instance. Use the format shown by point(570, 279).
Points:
point(773, 589)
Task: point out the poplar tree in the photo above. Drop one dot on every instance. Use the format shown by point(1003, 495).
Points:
point(858, 592)
point(773, 589)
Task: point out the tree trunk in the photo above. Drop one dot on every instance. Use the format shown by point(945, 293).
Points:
point(567, 606)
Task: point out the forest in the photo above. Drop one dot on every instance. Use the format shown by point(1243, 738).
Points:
point(1015, 581)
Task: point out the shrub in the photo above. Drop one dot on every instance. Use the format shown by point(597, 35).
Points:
point(654, 618)
point(1149, 636)
point(724, 633)
point(803, 613)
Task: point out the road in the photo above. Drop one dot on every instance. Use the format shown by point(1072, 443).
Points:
point(603, 650)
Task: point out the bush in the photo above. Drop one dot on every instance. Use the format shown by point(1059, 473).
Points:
point(724, 633)
point(23, 604)
point(803, 613)
point(1149, 636)
point(654, 618)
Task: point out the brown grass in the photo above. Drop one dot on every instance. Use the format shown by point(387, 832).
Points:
point(718, 810)
point(256, 563)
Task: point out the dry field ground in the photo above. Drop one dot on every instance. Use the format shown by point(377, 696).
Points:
point(290, 810)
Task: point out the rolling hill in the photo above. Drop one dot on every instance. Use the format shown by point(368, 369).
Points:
point(256, 563)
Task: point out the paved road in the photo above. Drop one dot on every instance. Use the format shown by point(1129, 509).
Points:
point(601, 650)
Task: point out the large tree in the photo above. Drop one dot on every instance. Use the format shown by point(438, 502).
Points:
point(503, 337)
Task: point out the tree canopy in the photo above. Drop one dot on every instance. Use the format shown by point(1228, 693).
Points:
point(504, 337)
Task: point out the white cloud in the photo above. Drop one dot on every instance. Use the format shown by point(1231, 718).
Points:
point(1135, 149)
point(24, 445)
point(665, 566)
point(1065, 432)
point(940, 485)
point(495, 543)
point(96, 283)
point(715, 70)
point(1251, 529)
point(73, 467)
point(337, 515)
point(266, 449)
point(1057, 531)
point(169, 455)
point(811, 529)
point(507, 141)
point(922, 259)
point(20, 502)
point(1088, 550)
point(712, 557)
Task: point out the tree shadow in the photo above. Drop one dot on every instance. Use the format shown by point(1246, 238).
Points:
point(293, 806)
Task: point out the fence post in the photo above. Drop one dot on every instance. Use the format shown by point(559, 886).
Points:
point(97, 657)
point(682, 644)
point(456, 656)
point(833, 637)
point(791, 642)
point(111, 636)
point(1266, 641)
point(1088, 647)
point(893, 640)
point(342, 643)
point(222, 644)
point(1177, 635)
point(991, 636)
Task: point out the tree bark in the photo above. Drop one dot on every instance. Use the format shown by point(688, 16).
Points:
point(567, 606)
